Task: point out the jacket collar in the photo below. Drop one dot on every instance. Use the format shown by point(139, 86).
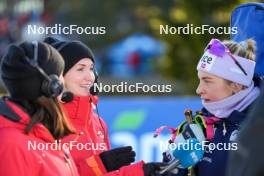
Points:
point(80, 107)
point(38, 130)
point(235, 117)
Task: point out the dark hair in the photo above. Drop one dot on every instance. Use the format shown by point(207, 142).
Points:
point(48, 111)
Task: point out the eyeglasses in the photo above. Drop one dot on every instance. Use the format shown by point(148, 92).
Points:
point(217, 48)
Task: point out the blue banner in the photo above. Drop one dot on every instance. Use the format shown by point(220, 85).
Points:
point(133, 121)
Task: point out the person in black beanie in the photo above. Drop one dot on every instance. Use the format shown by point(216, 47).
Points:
point(21, 79)
point(74, 52)
point(79, 76)
point(71, 51)
point(31, 114)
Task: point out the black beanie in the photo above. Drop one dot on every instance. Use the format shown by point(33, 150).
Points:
point(22, 80)
point(71, 51)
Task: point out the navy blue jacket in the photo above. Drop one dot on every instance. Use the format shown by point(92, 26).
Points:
point(215, 163)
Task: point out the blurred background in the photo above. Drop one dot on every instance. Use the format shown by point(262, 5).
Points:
point(131, 50)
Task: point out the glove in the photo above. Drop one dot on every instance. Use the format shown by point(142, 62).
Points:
point(153, 168)
point(118, 157)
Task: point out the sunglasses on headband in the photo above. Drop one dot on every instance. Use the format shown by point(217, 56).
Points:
point(217, 48)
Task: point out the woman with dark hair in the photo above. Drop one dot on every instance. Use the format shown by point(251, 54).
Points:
point(31, 118)
point(80, 76)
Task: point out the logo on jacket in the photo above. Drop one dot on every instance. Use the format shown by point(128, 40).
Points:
point(100, 134)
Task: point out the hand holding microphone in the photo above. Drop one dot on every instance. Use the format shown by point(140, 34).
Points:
point(188, 150)
point(153, 168)
point(186, 154)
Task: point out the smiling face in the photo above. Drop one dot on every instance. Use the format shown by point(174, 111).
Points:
point(80, 77)
point(213, 88)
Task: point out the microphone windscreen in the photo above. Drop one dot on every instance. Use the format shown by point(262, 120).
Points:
point(189, 153)
point(94, 90)
point(67, 97)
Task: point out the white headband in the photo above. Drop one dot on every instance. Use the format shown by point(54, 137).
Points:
point(226, 68)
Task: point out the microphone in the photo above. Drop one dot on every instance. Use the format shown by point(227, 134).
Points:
point(187, 154)
point(191, 130)
point(191, 137)
point(67, 97)
point(94, 90)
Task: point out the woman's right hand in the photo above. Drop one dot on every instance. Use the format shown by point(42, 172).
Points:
point(118, 157)
point(153, 169)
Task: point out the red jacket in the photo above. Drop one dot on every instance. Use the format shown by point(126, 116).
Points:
point(92, 132)
point(23, 154)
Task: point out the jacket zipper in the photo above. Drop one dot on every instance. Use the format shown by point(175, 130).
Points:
point(68, 163)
